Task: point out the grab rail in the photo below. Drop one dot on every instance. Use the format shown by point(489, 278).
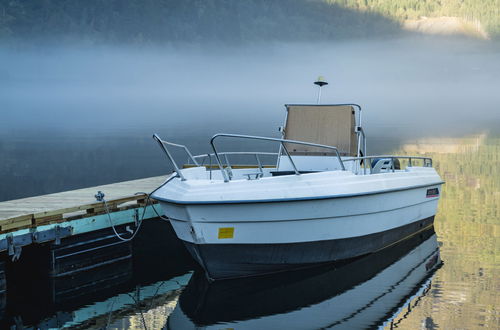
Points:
point(238, 153)
point(427, 160)
point(361, 138)
point(241, 153)
point(162, 144)
point(262, 138)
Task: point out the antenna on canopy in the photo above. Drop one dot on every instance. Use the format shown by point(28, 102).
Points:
point(320, 82)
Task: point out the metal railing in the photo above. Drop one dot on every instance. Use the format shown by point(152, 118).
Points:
point(240, 153)
point(282, 144)
point(427, 161)
point(256, 154)
point(227, 172)
point(361, 140)
point(162, 144)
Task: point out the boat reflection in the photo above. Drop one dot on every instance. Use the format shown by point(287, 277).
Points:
point(94, 299)
point(363, 293)
point(108, 296)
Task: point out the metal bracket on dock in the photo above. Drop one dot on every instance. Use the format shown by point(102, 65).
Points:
point(14, 250)
point(136, 217)
point(54, 234)
point(14, 244)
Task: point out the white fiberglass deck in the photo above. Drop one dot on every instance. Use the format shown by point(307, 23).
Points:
point(199, 188)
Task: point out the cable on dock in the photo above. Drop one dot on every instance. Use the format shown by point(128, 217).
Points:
point(100, 198)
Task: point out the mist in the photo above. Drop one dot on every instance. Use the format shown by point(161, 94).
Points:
point(80, 116)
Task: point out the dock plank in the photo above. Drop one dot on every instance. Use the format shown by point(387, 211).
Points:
point(74, 200)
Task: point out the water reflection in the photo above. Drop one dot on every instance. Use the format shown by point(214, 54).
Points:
point(364, 293)
point(93, 299)
point(113, 295)
point(465, 293)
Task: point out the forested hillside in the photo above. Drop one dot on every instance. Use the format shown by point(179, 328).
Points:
point(172, 21)
point(485, 13)
point(187, 20)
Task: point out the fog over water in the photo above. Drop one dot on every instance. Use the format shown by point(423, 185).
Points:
point(75, 117)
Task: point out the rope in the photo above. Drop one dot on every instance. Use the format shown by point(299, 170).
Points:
point(113, 225)
point(100, 197)
point(159, 216)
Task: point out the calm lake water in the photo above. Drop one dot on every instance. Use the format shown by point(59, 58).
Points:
point(79, 118)
point(445, 277)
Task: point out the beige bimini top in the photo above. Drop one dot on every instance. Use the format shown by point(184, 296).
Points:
point(332, 125)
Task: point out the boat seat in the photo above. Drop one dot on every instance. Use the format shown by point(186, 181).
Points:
point(384, 165)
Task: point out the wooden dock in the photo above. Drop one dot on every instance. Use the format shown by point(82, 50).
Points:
point(40, 206)
point(62, 248)
point(55, 216)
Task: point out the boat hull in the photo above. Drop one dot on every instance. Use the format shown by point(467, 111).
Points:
point(224, 261)
point(298, 221)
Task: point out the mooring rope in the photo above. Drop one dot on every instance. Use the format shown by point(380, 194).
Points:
point(139, 223)
point(100, 198)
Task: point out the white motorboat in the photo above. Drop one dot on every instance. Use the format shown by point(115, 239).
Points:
point(322, 199)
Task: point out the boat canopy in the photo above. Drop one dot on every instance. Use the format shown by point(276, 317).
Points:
point(332, 125)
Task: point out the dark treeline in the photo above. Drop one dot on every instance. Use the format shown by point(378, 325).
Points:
point(173, 21)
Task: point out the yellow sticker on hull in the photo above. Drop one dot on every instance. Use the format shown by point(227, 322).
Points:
point(226, 232)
